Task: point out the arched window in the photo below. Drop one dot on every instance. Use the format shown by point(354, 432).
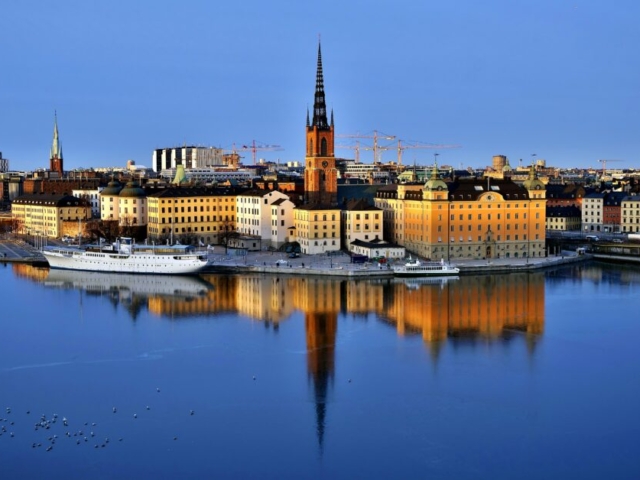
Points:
point(323, 147)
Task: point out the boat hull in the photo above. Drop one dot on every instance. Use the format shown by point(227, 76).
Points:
point(143, 263)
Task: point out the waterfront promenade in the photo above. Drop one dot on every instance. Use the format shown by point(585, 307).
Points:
point(337, 265)
point(340, 265)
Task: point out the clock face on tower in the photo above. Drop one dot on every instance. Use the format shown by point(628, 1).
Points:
point(325, 164)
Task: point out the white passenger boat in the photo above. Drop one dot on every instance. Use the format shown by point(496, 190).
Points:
point(416, 268)
point(126, 257)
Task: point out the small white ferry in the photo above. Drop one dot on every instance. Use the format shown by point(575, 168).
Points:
point(126, 257)
point(416, 268)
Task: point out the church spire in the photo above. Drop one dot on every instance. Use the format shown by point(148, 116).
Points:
point(319, 106)
point(56, 146)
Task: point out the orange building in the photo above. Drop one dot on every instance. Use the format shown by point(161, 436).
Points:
point(469, 218)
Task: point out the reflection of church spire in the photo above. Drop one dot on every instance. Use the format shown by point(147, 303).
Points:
point(321, 341)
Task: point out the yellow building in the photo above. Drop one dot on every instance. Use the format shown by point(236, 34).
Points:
point(49, 215)
point(469, 218)
point(203, 214)
point(317, 228)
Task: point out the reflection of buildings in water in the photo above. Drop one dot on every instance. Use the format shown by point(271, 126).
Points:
point(486, 306)
point(26, 270)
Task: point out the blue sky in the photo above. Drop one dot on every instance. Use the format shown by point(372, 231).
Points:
point(552, 77)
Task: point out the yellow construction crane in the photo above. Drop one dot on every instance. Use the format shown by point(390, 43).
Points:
point(254, 147)
point(376, 136)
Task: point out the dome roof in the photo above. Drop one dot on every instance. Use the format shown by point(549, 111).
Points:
point(435, 182)
point(132, 190)
point(533, 183)
point(113, 188)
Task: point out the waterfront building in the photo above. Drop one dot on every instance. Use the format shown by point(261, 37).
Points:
point(317, 221)
point(281, 221)
point(317, 228)
point(563, 218)
point(361, 221)
point(190, 213)
point(50, 215)
point(630, 221)
point(56, 162)
point(468, 218)
point(377, 248)
point(612, 211)
point(255, 215)
point(592, 212)
point(188, 156)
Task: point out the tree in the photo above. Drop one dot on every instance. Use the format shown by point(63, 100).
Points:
point(227, 232)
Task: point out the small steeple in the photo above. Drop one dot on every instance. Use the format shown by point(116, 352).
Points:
point(308, 116)
point(56, 146)
point(319, 105)
point(332, 117)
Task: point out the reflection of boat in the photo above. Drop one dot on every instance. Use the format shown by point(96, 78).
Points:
point(416, 268)
point(146, 285)
point(416, 282)
point(125, 257)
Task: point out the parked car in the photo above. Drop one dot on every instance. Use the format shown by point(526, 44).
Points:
point(294, 255)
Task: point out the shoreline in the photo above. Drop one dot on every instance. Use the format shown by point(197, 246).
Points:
point(317, 265)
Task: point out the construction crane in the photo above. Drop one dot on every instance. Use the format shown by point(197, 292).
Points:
point(254, 147)
point(375, 147)
point(604, 166)
point(414, 145)
point(355, 147)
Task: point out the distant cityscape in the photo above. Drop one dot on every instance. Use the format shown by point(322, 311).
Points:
point(206, 195)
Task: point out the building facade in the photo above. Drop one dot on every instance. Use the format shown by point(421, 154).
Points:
point(630, 222)
point(592, 212)
point(92, 196)
point(190, 157)
point(361, 222)
point(254, 215)
point(205, 214)
point(469, 218)
point(49, 215)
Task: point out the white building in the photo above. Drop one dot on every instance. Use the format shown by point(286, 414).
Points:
point(281, 221)
point(254, 215)
point(92, 196)
point(592, 212)
point(190, 157)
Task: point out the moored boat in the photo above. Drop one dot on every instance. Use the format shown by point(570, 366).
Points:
point(126, 257)
point(416, 268)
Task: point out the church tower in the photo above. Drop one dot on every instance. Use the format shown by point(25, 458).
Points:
point(320, 175)
point(55, 156)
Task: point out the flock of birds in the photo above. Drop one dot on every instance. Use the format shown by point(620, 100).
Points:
point(45, 426)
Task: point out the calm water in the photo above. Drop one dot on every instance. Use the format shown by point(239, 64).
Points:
point(519, 376)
